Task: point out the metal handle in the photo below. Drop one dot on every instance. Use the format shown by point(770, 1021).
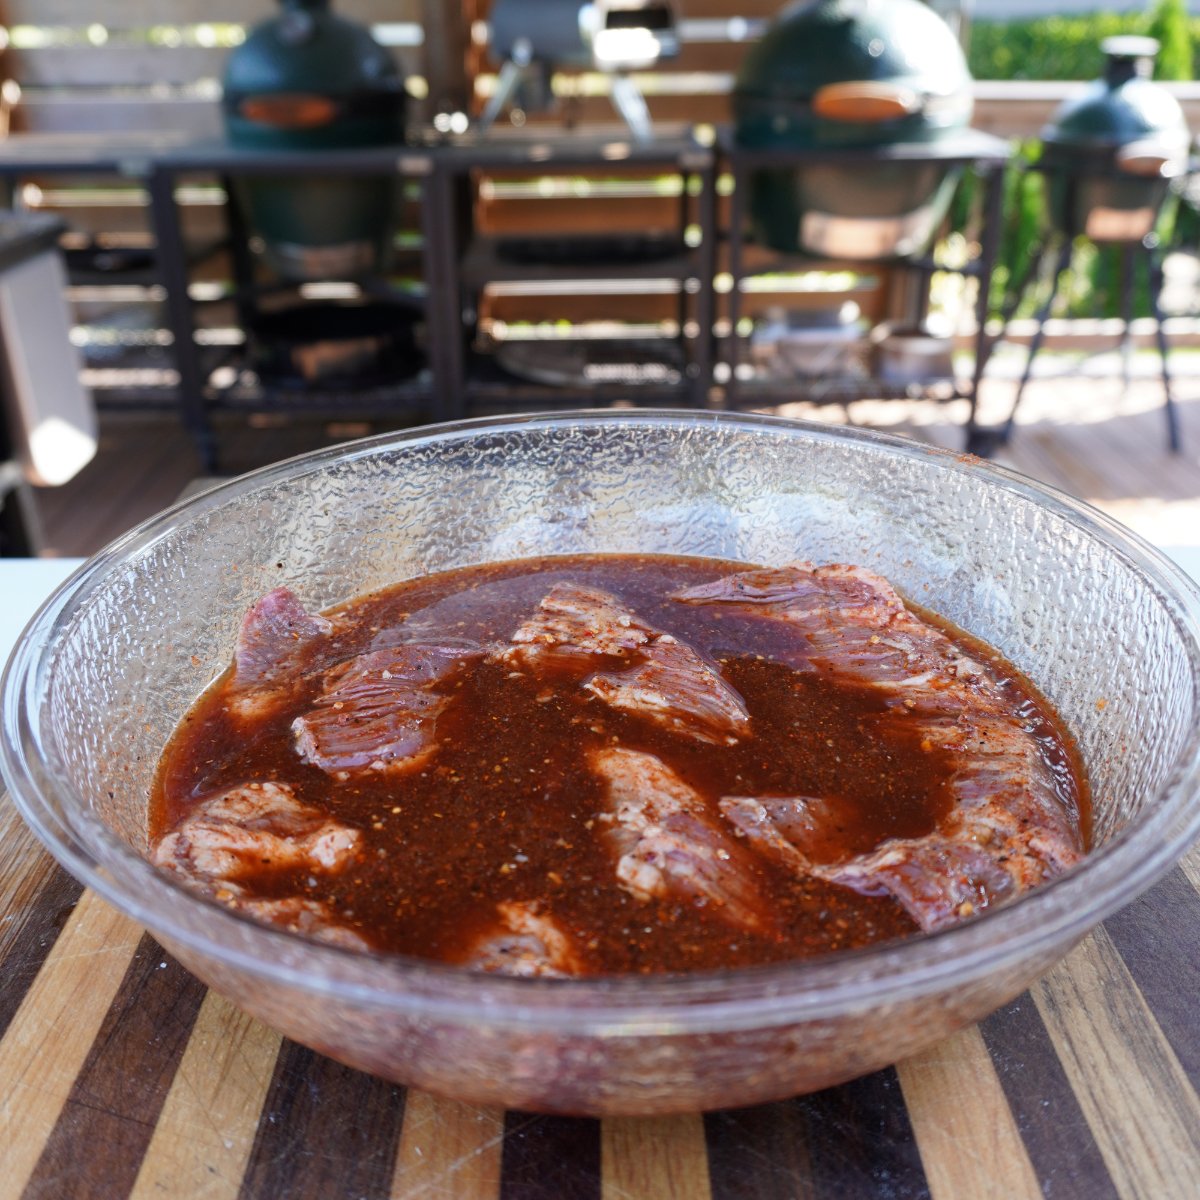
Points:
point(290, 110)
point(865, 101)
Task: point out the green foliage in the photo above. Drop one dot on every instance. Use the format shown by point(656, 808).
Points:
point(1069, 47)
point(1169, 23)
point(1046, 47)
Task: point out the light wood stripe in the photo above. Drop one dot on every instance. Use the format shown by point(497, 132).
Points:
point(1143, 1112)
point(50, 1036)
point(207, 1126)
point(23, 868)
point(448, 1150)
point(1190, 864)
point(969, 1142)
point(646, 1158)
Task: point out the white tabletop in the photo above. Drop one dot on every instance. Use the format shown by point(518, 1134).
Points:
point(26, 582)
point(1188, 557)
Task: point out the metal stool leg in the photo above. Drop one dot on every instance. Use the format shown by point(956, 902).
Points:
point(980, 440)
point(1060, 265)
point(1128, 285)
point(988, 251)
point(1174, 440)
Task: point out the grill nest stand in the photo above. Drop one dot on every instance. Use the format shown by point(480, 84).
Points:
point(1059, 243)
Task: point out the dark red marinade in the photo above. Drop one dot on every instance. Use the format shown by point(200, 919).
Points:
point(448, 771)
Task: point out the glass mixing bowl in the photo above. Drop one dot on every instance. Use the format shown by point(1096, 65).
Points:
point(1104, 625)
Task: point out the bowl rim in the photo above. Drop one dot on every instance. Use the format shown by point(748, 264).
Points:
point(1044, 922)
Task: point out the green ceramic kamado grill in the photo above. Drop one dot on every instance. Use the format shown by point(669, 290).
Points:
point(862, 75)
point(308, 79)
point(1110, 152)
point(1109, 155)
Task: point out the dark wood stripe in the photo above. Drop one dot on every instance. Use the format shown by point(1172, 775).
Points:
point(550, 1158)
point(27, 932)
point(1158, 936)
point(29, 912)
point(845, 1142)
point(325, 1130)
point(758, 1153)
point(1056, 1135)
point(115, 1101)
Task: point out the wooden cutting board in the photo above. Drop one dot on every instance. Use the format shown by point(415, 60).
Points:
point(121, 1076)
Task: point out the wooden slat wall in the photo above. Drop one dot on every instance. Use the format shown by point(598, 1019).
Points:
point(110, 65)
point(143, 13)
point(693, 87)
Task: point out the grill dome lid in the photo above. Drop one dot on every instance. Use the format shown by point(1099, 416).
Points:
point(852, 72)
point(309, 78)
point(1123, 106)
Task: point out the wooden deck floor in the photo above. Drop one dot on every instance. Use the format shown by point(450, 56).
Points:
point(1080, 432)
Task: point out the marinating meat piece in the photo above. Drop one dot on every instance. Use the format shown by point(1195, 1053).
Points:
point(255, 828)
point(576, 622)
point(668, 843)
point(273, 637)
point(853, 623)
point(252, 828)
point(298, 914)
point(378, 711)
point(938, 879)
point(673, 686)
point(662, 679)
point(1010, 827)
point(526, 942)
point(793, 829)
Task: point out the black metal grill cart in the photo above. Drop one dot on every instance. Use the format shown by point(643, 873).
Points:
point(574, 365)
point(280, 368)
point(850, 138)
point(985, 154)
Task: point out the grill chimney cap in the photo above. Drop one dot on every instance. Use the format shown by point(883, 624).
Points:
point(1129, 45)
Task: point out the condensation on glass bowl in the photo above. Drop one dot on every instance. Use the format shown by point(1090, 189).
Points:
point(1107, 628)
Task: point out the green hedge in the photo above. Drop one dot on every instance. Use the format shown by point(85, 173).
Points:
point(1057, 47)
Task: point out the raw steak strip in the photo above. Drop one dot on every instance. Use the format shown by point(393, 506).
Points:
point(1010, 826)
point(574, 621)
point(936, 879)
point(792, 829)
point(663, 679)
point(251, 828)
point(273, 636)
point(256, 826)
point(668, 844)
point(298, 914)
point(378, 711)
point(524, 942)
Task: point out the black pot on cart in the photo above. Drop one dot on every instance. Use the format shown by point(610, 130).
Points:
point(1110, 153)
